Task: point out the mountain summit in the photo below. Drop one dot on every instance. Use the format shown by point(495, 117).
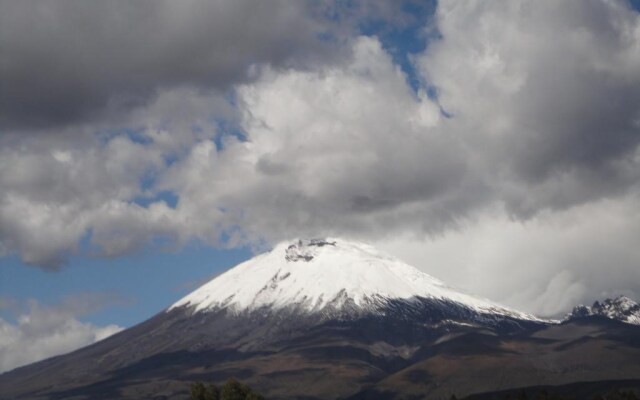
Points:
point(329, 276)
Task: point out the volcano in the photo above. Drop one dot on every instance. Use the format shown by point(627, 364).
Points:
point(337, 279)
point(331, 318)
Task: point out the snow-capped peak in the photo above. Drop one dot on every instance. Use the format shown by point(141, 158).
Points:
point(621, 308)
point(314, 274)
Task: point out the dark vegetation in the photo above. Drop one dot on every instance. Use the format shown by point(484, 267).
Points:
point(616, 394)
point(231, 390)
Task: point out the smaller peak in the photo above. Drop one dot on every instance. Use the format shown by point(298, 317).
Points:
point(622, 299)
point(624, 304)
point(619, 301)
point(620, 308)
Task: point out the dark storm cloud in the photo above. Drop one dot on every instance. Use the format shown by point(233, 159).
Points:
point(576, 115)
point(548, 91)
point(64, 62)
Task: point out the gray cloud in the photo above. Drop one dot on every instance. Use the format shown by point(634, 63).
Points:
point(549, 91)
point(67, 62)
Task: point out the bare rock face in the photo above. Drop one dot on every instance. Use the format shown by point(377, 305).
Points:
point(305, 250)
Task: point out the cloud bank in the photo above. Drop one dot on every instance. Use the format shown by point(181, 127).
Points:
point(44, 331)
point(524, 125)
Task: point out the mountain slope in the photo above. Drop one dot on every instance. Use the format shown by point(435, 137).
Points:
point(327, 319)
point(595, 349)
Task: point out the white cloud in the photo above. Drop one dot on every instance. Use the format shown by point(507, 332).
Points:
point(47, 331)
point(343, 149)
point(544, 265)
point(55, 192)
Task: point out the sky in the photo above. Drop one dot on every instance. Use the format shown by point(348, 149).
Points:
point(148, 146)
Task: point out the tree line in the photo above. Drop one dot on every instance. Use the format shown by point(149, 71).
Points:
point(231, 390)
point(545, 395)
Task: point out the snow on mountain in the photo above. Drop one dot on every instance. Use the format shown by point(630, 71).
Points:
point(621, 308)
point(312, 275)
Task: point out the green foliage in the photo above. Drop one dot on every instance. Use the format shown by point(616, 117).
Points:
point(254, 396)
point(234, 390)
point(197, 391)
point(545, 395)
point(231, 390)
point(213, 393)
